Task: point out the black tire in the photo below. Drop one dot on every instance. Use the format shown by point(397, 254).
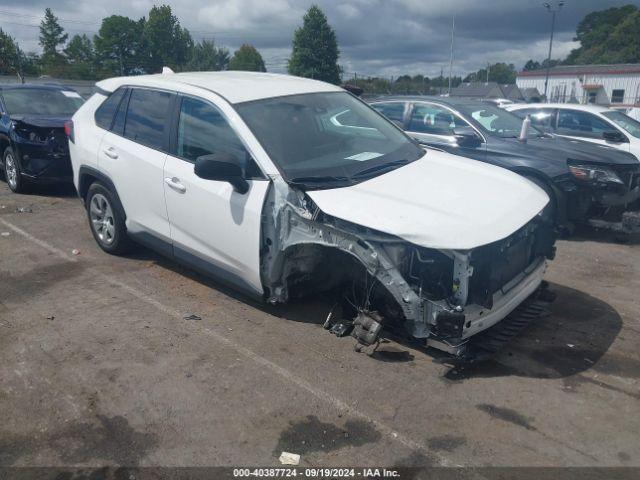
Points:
point(12, 172)
point(106, 220)
point(550, 212)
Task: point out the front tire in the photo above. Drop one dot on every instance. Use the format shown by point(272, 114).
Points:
point(12, 172)
point(106, 220)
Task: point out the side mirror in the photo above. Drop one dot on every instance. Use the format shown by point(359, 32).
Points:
point(467, 137)
point(614, 136)
point(222, 167)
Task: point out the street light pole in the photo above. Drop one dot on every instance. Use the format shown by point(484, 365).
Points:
point(553, 12)
point(453, 28)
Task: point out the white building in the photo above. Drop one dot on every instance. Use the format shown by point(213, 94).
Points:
point(615, 85)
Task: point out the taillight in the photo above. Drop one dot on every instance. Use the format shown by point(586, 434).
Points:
point(68, 130)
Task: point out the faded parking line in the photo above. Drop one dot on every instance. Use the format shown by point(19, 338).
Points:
point(285, 374)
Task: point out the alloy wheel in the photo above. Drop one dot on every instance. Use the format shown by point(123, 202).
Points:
point(102, 220)
point(11, 170)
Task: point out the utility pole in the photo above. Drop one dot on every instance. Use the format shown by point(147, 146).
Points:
point(453, 28)
point(553, 12)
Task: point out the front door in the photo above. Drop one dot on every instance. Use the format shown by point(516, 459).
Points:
point(213, 227)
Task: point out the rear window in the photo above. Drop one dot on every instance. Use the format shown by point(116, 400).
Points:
point(104, 113)
point(147, 116)
point(41, 101)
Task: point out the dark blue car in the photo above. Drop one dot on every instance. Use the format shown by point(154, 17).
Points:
point(33, 143)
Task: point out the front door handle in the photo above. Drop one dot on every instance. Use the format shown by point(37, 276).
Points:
point(174, 183)
point(110, 152)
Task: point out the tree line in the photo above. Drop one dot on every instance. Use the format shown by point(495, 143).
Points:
point(122, 46)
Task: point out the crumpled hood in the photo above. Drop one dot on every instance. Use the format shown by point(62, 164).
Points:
point(440, 201)
point(41, 120)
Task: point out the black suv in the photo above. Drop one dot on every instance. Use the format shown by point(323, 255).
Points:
point(33, 144)
point(587, 183)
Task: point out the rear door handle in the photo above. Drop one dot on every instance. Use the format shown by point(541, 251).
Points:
point(174, 183)
point(110, 152)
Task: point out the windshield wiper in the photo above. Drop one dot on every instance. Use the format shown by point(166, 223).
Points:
point(385, 167)
point(316, 181)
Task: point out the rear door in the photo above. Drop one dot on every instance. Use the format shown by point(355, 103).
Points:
point(133, 154)
point(213, 227)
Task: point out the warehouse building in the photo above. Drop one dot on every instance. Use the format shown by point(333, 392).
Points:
point(609, 85)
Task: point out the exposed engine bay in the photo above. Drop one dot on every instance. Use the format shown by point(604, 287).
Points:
point(441, 297)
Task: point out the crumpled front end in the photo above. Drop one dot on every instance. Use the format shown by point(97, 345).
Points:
point(43, 151)
point(443, 297)
point(606, 197)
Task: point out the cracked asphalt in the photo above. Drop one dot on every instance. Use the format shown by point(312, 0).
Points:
point(99, 366)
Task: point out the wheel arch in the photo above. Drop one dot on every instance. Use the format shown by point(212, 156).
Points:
point(87, 176)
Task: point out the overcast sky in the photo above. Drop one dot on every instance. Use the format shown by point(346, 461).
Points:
point(376, 37)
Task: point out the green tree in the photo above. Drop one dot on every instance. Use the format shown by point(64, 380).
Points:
point(9, 55)
point(205, 56)
point(247, 58)
point(81, 57)
point(119, 46)
point(498, 72)
point(315, 49)
point(168, 43)
point(531, 65)
point(608, 36)
point(51, 37)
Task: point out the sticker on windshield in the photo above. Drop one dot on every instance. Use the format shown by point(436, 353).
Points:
point(361, 157)
point(71, 94)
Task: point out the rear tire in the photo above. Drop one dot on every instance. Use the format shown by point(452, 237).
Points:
point(106, 220)
point(12, 173)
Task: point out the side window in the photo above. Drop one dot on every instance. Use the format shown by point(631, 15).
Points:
point(147, 115)
point(581, 124)
point(393, 111)
point(104, 113)
point(541, 118)
point(434, 120)
point(202, 130)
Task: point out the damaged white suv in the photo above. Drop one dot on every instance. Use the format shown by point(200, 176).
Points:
point(286, 187)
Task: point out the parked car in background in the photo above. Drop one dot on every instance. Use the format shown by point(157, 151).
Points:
point(586, 183)
point(287, 187)
point(590, 123)
point(33, 143)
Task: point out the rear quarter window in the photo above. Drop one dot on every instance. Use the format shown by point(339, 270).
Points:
point(105, 112)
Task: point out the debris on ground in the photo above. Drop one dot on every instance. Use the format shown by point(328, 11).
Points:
point(287, 458)
point(5, 234)
point(24, 210)
point(75, 251)
point(51, 318)
point(192, 317)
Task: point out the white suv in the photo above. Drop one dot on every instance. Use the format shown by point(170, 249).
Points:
point(286, 187)
point(591, 123)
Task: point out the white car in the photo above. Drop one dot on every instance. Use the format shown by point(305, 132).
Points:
point(286, 187)
point(592, 123)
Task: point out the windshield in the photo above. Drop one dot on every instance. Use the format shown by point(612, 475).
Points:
point(325, 140)
point(498, 121)
point(41, 101)
point(625, 122)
